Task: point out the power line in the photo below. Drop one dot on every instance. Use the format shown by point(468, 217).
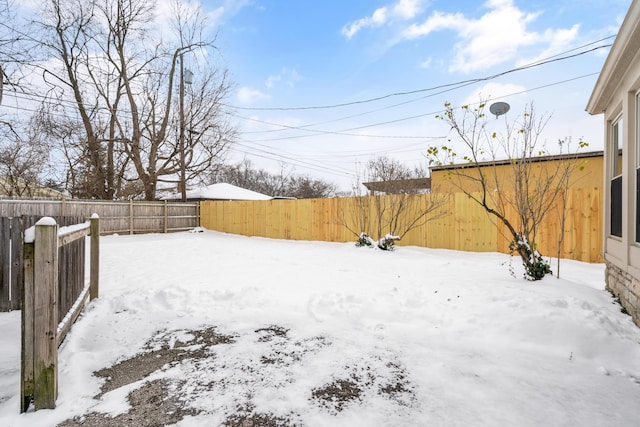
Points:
point(305, 128)
point(288, 160)
point(402, 119)
point(548, 60)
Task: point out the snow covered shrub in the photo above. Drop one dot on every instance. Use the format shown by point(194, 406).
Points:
point(364, 240)
point(387, 243)
point(535, 267)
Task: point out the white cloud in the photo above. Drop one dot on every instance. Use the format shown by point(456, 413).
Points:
point(494, 37)
point(286, 76)
point(407, 9)
point(558, 41)
point(378, 18)
point(400, 10)
point(437, 21)
point(248, 96)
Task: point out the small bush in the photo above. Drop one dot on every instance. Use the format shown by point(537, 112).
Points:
point(364, 240)
point(387, 243)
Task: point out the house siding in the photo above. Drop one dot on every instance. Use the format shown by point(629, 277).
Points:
point(616, 96)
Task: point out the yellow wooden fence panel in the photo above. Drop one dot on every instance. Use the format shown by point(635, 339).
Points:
point(462, 225)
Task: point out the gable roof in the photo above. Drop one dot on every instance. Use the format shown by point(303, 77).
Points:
point(622, 54)
point(220, 191)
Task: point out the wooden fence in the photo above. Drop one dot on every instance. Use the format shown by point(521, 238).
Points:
point(11, 256)
point(462, 224)
point(123, 217)
point(54, 295)
point(11, 232)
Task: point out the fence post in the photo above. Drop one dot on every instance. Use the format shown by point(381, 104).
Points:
point(5, 261)
point(45, 323)
point(166, 217)
point(95, 257)
point(130, 216)
point(26, 371)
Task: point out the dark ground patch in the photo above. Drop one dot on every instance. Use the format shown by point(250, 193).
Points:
point(142, 365)
point(337, 395)
point(158, 402)
point(151, 405)
point(247, 417)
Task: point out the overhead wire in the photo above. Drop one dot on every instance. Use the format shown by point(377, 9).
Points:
point(345, 132)
point(450, 87)
point(432, 113)
point(269, 154)
point(554, 58)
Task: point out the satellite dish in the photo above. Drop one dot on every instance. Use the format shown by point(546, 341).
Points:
point(499, 108)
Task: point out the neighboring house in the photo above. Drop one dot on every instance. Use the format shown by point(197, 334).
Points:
point(19, 188)
point(587, 172)
point(220, 191)
point(616, 95)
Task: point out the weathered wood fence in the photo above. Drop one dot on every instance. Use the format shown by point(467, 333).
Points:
point(129, 217)
point(123, 217)
point(11, 256)
point(462, 224)
point(11, 232)
point(54, 295)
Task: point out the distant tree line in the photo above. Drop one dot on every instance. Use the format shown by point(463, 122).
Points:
point(282, 184)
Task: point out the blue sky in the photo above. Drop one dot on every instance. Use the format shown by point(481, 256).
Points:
point(286, 54)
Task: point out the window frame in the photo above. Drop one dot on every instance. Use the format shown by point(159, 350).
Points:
point(616, 144)
point(636, 177)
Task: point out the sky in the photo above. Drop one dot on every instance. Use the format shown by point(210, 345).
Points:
point(320, 88)
point(422, 337)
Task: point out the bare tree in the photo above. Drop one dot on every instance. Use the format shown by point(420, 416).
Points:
point(386, 169)
point(23, 162)
point(67, 29)
point(119, 79)
point(208, 133)
point(148, 81)
point(530, 192)
point(305, 187)
point(392, 215)
point(12, 48)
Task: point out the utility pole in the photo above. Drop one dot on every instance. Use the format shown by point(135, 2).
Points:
point(182, 185)
point(1, 82)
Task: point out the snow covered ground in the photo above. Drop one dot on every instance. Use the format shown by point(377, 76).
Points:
point(329, 334)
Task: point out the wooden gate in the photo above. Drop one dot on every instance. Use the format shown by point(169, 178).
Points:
point(54, 295)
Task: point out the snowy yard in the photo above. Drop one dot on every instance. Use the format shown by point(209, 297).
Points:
point(213, 329)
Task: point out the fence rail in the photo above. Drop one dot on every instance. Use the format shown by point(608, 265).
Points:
point(122, 217)
point(462, 224)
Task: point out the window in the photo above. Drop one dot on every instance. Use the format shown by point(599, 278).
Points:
point(616, 180)
point(638, 168)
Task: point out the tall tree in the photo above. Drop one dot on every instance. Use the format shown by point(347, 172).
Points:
point(119, 77)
